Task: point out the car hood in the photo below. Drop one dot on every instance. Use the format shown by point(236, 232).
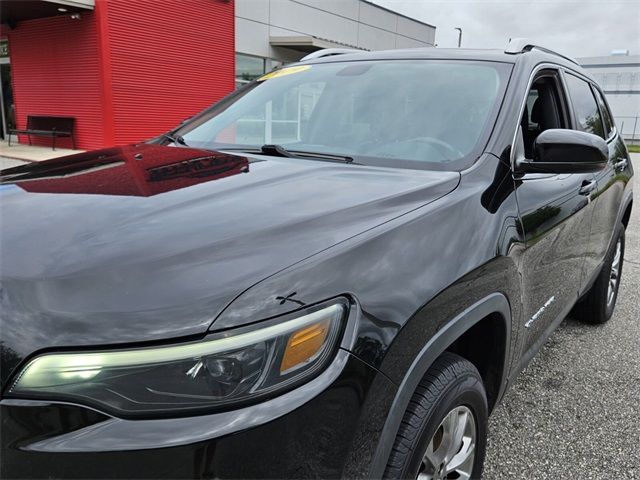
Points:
point(147, 243)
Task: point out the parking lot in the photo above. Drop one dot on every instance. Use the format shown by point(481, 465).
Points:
point(573, 413)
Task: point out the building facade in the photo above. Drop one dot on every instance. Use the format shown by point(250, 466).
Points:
point(125, 70)
point(128, 70)
point(619, 77)
point(272, 32)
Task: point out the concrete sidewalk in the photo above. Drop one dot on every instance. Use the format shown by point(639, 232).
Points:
point(32, 153)
point(10, 163)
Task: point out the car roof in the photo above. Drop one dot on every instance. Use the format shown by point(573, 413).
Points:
point(531, 57)
point(420, 53)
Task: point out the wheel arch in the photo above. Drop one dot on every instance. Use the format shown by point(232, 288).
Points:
point(494, 308)
point(485, 345)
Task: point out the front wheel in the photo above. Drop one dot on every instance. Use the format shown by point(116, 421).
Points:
point(443, 434)
point(598, 304)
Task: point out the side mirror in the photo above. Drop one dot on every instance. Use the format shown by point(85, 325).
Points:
point(565, 151)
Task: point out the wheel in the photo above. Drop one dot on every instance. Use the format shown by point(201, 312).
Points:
point(443, 433)
point(599, 302)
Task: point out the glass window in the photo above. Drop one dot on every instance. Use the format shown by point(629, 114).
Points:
point(531, 101)
point(378, 112)
point(281, 120)
point(248, 68)
point(584, 106)
point(606, 115)
point(544, 109)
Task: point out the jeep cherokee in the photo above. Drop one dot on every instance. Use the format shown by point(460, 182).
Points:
point(335, 271)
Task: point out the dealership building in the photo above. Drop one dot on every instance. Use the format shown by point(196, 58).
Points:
point(619, 76)
point(127, 70)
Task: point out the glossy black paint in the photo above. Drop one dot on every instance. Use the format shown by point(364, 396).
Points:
point(566, 151)
point(313, 429)
point(556, 222)
point(135, 252)
point(148, 248)
point(613, 191)
point(564, 145)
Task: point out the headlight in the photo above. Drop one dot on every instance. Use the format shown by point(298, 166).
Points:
point(226, 368)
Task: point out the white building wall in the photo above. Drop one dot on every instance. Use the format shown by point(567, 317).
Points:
point(353, 23)
point(619, 77)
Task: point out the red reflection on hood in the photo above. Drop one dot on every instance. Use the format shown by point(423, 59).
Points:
point(136, 170)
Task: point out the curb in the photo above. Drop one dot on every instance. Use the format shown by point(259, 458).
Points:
point(9, 157)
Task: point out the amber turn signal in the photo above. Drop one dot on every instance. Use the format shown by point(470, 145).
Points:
point(304, 345)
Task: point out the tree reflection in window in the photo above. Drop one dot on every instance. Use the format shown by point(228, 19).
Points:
point(585, 107)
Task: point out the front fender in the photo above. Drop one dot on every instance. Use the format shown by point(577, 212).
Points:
point(495, 303)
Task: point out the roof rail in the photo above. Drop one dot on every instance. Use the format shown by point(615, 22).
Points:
point(522, 45)
point(328, 52)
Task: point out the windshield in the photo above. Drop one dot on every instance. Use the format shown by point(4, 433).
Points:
point(423, 113)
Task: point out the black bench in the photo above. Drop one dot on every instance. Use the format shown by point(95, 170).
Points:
point(45, 126)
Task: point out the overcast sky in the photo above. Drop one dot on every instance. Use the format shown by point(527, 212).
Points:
point(579, 28)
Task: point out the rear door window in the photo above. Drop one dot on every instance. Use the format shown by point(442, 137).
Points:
point(585, 108)
point(606, 115)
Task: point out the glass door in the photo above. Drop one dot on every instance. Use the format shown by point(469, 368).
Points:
point(8, 109)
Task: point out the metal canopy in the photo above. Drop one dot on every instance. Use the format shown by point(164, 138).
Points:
point(14, 11)
point(305, 43)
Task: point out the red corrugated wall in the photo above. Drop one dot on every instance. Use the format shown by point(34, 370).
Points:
point(169, 60)
point(55, 71)
point(128, 71)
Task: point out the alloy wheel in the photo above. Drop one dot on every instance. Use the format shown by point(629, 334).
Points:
point(614, 276)
point(450, 452)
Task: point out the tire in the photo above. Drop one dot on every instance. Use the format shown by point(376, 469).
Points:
point(451, 389)
point(599, 302)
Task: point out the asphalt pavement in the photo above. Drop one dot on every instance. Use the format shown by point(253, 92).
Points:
point(574, 411)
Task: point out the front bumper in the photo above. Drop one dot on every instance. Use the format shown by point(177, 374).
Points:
point(327, 428)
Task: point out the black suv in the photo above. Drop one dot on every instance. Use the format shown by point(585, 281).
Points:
point(335, 271)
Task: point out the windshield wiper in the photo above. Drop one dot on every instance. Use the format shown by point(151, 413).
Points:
point(177, 139)
point(280, 151)
point(276, 151)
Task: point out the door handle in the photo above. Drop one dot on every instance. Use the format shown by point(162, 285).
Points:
point(587, 187)
point(621, 164)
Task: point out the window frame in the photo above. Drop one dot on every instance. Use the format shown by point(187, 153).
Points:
point(564, 107)
point(567, 106)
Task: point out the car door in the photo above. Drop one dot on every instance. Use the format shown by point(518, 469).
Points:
point(592, 116)
point(555, 216)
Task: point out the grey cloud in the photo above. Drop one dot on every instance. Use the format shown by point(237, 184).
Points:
point(577, 28)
